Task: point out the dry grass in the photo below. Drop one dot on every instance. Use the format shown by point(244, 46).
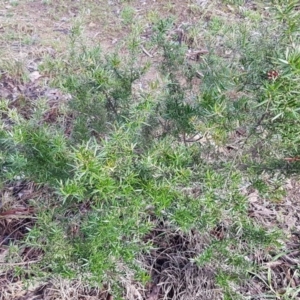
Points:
point(53, 289)
point(173, 270)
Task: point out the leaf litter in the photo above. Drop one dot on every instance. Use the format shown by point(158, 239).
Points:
point(280, 271)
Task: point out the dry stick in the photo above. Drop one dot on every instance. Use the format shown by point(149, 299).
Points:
point(20, 263)
point(146, 52)
point(191, 139)
point(199, 74)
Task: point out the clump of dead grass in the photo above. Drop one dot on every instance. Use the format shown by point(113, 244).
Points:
point(174, 273)
point(53, 289)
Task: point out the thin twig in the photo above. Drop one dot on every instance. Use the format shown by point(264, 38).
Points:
point(20, 263)
point(199, 74)
point(192, 139)
point(146, 52)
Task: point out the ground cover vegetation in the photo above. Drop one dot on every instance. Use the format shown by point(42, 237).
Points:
point(150, 150)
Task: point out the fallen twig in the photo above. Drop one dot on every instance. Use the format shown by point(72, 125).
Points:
point(291, 159)
point(20, 263)
point(146, 52)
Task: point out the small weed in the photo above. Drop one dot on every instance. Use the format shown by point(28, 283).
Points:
point(127, 15)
